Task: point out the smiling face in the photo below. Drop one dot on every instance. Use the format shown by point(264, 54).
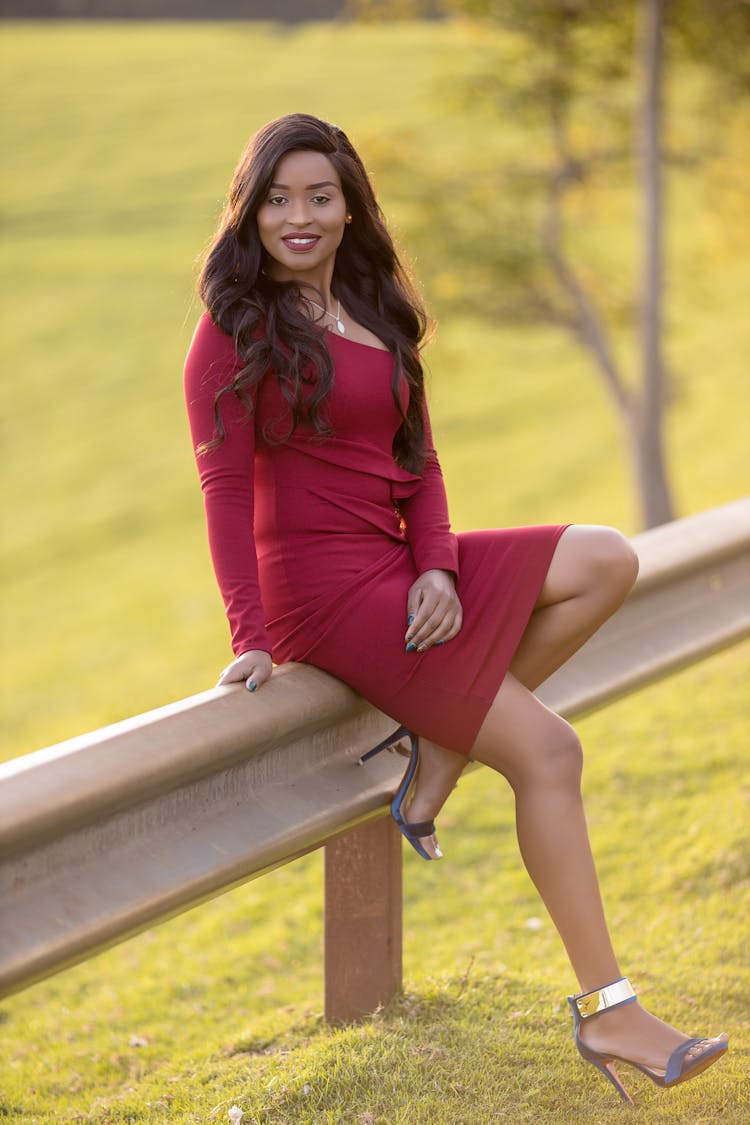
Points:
point(302, 219)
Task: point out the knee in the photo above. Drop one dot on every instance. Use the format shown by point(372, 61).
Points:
point(558, 760)
point(564, 757)
point(614, 561)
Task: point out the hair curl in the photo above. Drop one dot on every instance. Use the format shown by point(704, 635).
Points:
point(263, 316)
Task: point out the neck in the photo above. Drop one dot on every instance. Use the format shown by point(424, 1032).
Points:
point(321, 297)
point(315, 285)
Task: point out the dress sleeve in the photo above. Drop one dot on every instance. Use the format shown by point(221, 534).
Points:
point(227, 480)
point(428, 529)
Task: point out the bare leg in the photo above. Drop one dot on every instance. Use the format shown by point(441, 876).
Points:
point(439, 770)
point(591, 574)
point(539, 754)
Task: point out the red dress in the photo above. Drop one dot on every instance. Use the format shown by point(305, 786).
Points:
point(316, 543)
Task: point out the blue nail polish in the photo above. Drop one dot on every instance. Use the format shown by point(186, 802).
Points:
point(410, 647)
point(411, 618)
point(439, 643)
point(251, 685)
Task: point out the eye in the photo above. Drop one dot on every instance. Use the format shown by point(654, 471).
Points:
point(321, 199)
point(276, 200)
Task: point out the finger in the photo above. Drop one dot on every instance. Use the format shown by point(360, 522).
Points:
point(443, 632)
point(243, 668)
point(441, 628)
point(431, 626)
point(454, 631)
point(413, 601)
point(232, 675)
point(422, 598)
point(257, 677)
point(425, 619)
point(455, 628)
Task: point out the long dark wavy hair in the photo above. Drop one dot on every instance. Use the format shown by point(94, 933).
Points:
point(264, 317)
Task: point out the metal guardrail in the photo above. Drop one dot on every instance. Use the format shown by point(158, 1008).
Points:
point(111, 832)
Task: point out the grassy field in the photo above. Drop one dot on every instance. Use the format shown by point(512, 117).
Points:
point(118, 148)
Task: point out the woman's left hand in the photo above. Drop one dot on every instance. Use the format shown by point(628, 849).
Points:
point(436, 611)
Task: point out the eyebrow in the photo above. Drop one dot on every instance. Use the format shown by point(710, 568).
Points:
point(323, 183)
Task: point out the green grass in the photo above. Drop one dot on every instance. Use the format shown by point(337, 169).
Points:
point(117, 150)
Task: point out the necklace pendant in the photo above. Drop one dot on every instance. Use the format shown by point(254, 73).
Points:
point(340, 326)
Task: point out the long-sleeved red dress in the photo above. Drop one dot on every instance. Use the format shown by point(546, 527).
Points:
point(315, 543)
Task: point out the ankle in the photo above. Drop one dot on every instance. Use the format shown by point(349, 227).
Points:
point(593, 1001)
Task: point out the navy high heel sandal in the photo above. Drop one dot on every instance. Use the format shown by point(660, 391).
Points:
point(679, 1069)
point(415, 831)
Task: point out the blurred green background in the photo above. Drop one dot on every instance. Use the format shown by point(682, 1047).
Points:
point(119, 141)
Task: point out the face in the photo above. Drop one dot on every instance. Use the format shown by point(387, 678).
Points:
point(302, 220)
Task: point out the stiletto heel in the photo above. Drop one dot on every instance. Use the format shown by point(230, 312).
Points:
point(417, 830)
point(397, 735)
point(588, 1005)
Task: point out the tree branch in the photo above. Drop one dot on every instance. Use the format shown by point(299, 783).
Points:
point(586, 321)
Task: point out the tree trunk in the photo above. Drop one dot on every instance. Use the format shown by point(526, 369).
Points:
point(653, 486)
point(641, 409)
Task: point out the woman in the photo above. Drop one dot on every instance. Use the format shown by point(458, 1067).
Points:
point(330, 538)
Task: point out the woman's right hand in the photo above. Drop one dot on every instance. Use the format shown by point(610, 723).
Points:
point(254, 667)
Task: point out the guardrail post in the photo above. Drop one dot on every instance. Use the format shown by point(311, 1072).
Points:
point(363, 920)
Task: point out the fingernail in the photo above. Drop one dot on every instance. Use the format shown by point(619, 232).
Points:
point(439, 643)
point(410, 647)
point(251, 685)
point(423, 648)
point(411, 618)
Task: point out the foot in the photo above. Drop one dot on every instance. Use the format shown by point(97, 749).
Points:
point(437, 774)
point(632, 1033)
point(429, 843)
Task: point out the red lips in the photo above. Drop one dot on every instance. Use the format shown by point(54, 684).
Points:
point(304, 235)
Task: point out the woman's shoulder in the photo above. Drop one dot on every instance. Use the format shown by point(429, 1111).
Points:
point(208, 333)
point(212, 356)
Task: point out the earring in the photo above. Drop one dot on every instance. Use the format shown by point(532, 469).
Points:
point(348, 217)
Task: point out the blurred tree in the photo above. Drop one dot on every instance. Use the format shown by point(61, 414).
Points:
point(555, 60)
point(643, 412)
point(716, 34)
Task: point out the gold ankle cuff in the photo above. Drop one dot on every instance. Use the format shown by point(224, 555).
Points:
point(591, 1003)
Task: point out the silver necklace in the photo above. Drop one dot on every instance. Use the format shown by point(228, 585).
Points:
point(339, 322)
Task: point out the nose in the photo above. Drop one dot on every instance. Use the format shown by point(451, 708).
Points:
point(298, 213)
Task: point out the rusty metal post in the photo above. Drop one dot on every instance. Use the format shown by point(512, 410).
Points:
point(363, 920)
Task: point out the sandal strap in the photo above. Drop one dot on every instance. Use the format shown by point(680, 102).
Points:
point(599, 1000)
point(676, 1063)
point(420, 828)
